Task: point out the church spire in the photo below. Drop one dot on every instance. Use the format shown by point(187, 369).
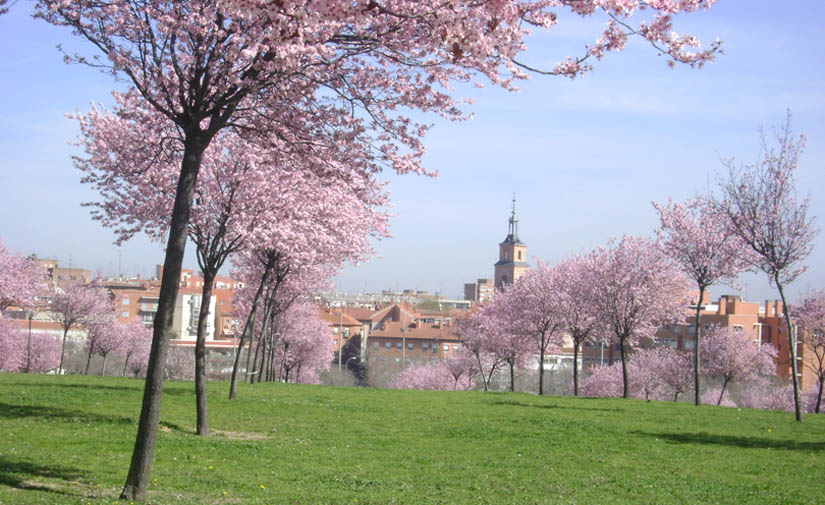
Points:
point(512, 231)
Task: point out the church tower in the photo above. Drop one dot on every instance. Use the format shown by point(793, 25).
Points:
point(512, 255)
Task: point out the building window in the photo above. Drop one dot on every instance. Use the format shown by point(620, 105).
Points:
point(388, 345)
point(519, 255)
point(125, 300)
point(410, 346)
point(398, 345)
point(690, 344)
point(691, 330)
point(455, 347)
point(125, 313)
point(375, 344)
point(425, 346)
point(737, 328)
point(446, 347)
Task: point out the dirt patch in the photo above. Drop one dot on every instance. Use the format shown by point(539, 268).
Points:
point(240, 435)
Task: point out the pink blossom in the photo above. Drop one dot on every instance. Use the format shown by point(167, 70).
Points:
point(435, 375)
point(12, 346)
point(717, 396)
point(604, 381)
point(21, 279)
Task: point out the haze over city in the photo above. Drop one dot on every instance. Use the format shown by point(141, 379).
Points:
point(585, 158)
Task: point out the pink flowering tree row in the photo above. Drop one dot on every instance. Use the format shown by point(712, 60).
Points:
point(618, 295)
point(454, 373)
point(24, 351)
point(303, 347)
point(728, 357)
point(655, 374)
point(78, 306)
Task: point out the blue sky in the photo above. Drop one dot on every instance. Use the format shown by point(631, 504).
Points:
point(585, 157)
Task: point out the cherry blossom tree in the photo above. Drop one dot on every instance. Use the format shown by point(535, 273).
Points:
point(507, 334)
point(639, 289)
point(763, 209)
point(44, 352)
point(604, 381)
point(21, 279)
point(476, 340)
point(294, 73)
point(304, 344)
point(78, 305)
point(462, 368)
point(733, 355)
point(576, 290)
point(106, 336)
point(645, 370)
point(707, 250)
point(766, 394)
point(655, 374)
point(12, 346)
point(716, 395)
point(534, 313)
point(180, 365)
point(435, 375)
point(676, 372)
point(810, 316)
point(136, 351)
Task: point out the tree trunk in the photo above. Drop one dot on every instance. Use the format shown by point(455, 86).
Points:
point(490, 375)
point(792, 343)
point(696, 350)
point(576, 344)
point(541, 370)
point(201, 401)
point(264, 329)
point(250, 377)
point(250, 323)
point(481, 371)
point(722, 393)
point(125, 366)
point(89, 359)
point(512, 377)
point(625, 388)
point(819, 395)
point(60, 370)
point(103, 372)
point(141, 466)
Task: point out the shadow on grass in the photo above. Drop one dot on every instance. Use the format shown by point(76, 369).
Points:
point(515, 403)
point(730, 440)
point(168, 389)
point(25, 475)
point(10, 411)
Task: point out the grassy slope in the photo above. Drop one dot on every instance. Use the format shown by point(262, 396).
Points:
point(67, 440)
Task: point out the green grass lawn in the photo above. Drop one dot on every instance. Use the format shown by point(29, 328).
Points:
point(68, 440)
